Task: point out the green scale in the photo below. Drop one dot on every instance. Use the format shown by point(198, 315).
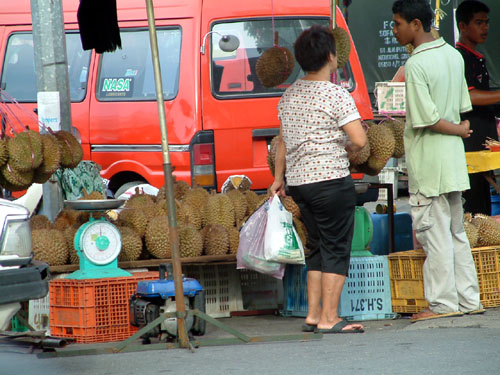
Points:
point(97, 242)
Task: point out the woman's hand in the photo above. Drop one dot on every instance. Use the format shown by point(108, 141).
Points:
point(278, 187)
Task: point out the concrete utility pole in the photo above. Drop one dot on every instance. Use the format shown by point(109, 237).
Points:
point(51, 68)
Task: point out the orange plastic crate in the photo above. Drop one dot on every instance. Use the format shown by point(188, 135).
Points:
point(93, 310)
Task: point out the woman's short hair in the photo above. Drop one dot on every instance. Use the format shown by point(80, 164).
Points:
point(415, 9)
point(313, 47)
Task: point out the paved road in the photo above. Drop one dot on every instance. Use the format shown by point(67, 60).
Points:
point(464, 345)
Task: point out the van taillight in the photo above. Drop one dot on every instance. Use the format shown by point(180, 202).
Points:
point(203, 160)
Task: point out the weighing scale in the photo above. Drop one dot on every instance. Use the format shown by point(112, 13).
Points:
point(97, 242)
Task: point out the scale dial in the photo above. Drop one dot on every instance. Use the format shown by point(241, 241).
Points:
point(101, 242)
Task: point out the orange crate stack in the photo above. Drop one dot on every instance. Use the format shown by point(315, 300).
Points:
point(487, 260)
point(93, 310)
point(407, 281)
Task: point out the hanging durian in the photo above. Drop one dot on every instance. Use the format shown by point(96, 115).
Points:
point(275, 65)
point(71, 149)
point(342, 45)
point(25, 151)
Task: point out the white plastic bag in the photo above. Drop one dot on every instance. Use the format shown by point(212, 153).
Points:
point(282, 243)
point(251, 247)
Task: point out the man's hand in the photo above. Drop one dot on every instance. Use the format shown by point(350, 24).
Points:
point(465, 129)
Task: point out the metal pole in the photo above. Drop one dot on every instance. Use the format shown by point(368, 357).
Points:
point(169, 182)
point(333, 11)
point(51, 68)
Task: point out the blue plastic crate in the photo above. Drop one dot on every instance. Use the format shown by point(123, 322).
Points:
point(295, 290)
point(366, 294)
point(367, 290)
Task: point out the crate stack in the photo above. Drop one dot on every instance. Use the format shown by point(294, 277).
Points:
point(93, 310)
point(407, 282)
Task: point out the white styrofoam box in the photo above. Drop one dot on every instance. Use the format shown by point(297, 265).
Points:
point(388, 176)
point(390, 97)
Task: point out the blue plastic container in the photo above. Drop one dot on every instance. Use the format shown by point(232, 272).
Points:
point(403, 239)
point(495, 205)
point(366, 294)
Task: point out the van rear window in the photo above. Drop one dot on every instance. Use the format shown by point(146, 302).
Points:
point(18, 72)
point(234, 73)
point(127, 73)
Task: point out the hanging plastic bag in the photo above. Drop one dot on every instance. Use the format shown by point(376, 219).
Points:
point(251, 247)
point(282, 243)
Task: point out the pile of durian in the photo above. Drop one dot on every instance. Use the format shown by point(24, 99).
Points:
point(29, 157)
point(207, 224)
point(481, 230)
point(385, 141)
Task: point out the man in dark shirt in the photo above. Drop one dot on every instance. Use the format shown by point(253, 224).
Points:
point(473, 23)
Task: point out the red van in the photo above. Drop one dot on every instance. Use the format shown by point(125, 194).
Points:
point(220, 118)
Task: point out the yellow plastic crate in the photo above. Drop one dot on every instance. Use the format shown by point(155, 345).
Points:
point(407, 283)
point(487, 260)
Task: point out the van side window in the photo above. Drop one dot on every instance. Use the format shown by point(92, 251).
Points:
point(233, 74)
point(127, 73)
point(18, 71)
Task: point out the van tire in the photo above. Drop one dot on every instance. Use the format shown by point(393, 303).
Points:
point(122, 189)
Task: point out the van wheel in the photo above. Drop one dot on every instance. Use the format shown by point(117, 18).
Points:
point(122, 189)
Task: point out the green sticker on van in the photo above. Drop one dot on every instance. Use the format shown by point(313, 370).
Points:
point(117, 87)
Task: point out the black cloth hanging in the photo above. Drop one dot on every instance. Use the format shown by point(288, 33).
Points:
point(98, 22)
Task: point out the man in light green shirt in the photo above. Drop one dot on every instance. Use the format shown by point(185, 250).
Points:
point(436, 94)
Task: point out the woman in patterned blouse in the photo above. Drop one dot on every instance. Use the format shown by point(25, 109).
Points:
point(319, 125)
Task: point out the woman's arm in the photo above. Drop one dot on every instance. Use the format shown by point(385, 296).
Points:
point(278, 186)
point(356, 134)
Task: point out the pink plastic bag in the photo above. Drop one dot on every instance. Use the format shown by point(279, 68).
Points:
point(251, 247)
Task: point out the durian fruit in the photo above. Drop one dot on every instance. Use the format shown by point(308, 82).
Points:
point(190, 241)
point(366, 169)
point(218, 210)
point(252, 201)
point(15, 180)
point(49, 246)
point(275, 65)
point(64, 219)
point(291, 206)
point(40, 222)
point(197, 196)
point(187, 213)
point(162, 205)
point(488, 230)
point(131, 244)
point(69, 236)
point(139, 200)
point(397, 127)
point(234, 240)
point(238, 182)
point(382, 145)
point(71, 149)
point(301, 231)
point(133, 218)
point(271, 155)
point(215, 239)
point(51, 159)
point(361, 156)
point(4, 152)
point(152, 210)
point(158, 238)
point(342, 45)
point(239, 203)
point(472, 233)
point(93, 195)
point(180, 189)
point(25, 151)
